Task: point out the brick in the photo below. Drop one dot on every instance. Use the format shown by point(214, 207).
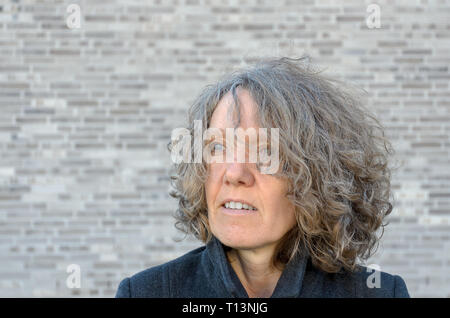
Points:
point(91, 110)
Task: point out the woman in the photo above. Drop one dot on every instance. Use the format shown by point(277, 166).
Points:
point(296, 232)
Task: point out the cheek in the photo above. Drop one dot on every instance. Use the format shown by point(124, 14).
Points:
point(290, 214)
point(289, 209)
point(212, 185)
point(282, 210)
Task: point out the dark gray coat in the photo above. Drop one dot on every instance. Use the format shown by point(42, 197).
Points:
point(206, 273)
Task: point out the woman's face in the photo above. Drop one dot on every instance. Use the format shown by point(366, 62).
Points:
point(242, 182)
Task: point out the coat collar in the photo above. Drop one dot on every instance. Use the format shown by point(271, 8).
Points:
point(289, 285)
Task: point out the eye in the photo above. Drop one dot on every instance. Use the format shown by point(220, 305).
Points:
point(216, 147)
point(265, 151)
point(264, 157)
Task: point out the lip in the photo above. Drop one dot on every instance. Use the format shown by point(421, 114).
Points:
point(237, 200)
point(237, 212)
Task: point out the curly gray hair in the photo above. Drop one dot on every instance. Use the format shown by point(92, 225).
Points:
point(336, 164)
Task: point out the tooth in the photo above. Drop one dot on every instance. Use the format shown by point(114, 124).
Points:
point(238, 206)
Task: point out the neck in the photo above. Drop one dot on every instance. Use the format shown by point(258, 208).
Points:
point(255, 270)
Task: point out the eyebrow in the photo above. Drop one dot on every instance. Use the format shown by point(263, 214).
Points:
point(213, 137)
point(267, 144)
point(221, 129)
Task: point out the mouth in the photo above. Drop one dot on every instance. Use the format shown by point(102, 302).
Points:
point(238, 207)
point(238, 212)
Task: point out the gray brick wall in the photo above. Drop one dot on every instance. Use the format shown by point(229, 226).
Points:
point(85, 115)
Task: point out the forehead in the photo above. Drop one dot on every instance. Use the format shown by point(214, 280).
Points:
point(225, 115)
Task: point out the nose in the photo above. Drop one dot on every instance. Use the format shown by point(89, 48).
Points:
point(238, 174)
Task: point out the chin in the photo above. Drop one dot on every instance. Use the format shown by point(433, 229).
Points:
point(237, 241)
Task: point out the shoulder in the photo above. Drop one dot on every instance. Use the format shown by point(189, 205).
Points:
point(373, 283)
point(155, 281)
point(364, 282)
